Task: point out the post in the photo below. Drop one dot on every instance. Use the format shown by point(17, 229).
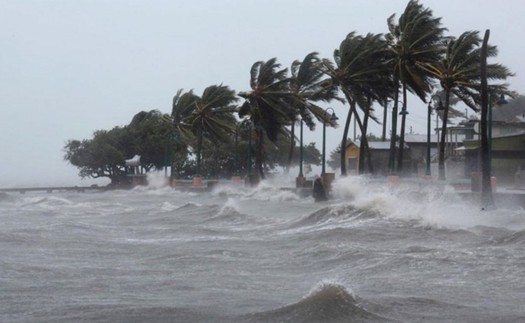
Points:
point(249, 166)
point(324, 149)
point(439, 108)
point(333, 118)
point(490, 133)
point(428, 172)
point(301, 150)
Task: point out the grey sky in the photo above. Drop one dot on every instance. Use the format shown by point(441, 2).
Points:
point(68, 67)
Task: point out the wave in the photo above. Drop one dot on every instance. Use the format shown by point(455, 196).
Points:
point(335, 214)
point(4, 197)
point(328, 302)
point(515, 238)
point(46, 201)
point(430, 206)
point(229, 213)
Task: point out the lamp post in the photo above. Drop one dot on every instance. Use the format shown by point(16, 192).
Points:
point(440, 107)
point(236, 165)
point(301, 150)
point(249, 166)
point(333, 117)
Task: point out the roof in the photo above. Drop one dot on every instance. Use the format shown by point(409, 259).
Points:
point(377, 145)
point(135, 161)
point(514, 111)
point(417, 138)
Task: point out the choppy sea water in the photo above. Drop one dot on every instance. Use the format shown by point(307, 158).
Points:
point(154, 254)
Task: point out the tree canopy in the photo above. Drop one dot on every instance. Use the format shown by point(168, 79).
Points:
point(414, 55)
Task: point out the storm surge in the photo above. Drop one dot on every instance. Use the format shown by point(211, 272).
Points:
point(372, 253)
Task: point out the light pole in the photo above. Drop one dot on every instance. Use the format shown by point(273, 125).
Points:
point(333, 117)
point(236, 165)
point(249, 166)
point(440, 107)
point(301, 150)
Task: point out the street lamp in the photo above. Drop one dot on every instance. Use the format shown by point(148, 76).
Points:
point(249, 166)
point(333, 117)
point(500, 101)
point(301, 150)
point(440, 107)
point(236, 161)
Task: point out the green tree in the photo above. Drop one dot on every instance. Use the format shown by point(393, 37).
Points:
point(209, 116)
point(101, 156)
point(414, 42)
point(459, 74)
point(269, 105)
point(152, 138)
point(308, 86)
point(360, 71)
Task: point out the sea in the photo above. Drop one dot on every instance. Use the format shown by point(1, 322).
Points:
point(372, 253)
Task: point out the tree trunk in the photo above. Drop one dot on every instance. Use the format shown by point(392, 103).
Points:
point(364, 141)
point(199, 148)
point(402, 131)
point(259, 152)
point(292, 148)
point(441, 163)
point(385, 119)
point(487, 200)
point(343, 142)
point(392, 155)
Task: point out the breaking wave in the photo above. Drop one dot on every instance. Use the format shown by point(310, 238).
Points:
point(327, 302)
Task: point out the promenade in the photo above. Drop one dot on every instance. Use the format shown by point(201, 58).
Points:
point(504, 196)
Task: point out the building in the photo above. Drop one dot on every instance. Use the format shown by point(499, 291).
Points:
point(508, 142)
point(379, 156)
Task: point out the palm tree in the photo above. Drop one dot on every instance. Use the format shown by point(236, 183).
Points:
point(269, 105)
point(459, 74)
point(307, 86)
point(414, 41)
point(210, 114)
point(361, 74)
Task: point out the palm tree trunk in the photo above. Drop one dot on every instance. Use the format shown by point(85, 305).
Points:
point(199, 148)
point(292, 148)
point(364, 140)
point(487, 199)
point(259, 152)
point(393, 135)
point(441, 164)
point(343, 141)
point(402, 131)
point(385, 118)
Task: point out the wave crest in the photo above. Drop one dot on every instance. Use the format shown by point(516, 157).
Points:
point(328, 302)
point(337, 213)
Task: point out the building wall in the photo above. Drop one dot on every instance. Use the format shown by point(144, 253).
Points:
point(352, 159)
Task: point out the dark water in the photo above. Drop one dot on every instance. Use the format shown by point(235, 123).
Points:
point(259, 255)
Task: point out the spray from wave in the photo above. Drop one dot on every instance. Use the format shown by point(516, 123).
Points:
point(434, 206)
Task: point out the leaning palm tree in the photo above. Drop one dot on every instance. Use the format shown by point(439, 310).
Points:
point(308, 86)
point(268, 105)
point(211, 114)
point(414, 41)
point(361, 74)
point(459, 74)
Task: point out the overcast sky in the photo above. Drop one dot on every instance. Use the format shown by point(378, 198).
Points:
point(69, 67)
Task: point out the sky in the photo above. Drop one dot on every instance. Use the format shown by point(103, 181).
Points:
point(68, 68)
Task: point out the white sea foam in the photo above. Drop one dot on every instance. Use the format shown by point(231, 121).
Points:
point(434, 206)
